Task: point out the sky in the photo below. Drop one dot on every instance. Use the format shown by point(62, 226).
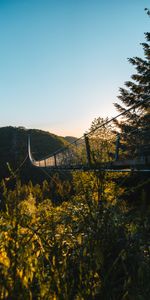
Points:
point(62, 61)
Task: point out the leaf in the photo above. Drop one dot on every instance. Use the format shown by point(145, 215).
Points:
point(79, 239)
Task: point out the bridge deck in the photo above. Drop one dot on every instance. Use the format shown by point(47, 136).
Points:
point(142, 163)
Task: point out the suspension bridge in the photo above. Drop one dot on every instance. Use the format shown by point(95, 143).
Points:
point(103, 149)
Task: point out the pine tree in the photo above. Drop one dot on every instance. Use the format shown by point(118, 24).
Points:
point(135, 124)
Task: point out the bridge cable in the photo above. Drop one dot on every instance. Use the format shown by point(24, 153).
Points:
point(62, 149)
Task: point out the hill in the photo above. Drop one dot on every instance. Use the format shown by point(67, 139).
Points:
point(70, 139)
point(13, 148)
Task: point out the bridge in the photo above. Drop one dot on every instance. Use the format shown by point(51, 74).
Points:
point(103, 149)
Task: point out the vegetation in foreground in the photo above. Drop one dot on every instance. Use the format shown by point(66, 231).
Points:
point(84, 248)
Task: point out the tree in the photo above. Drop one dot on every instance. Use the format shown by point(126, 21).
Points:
point(135, 124)
point(102, 140)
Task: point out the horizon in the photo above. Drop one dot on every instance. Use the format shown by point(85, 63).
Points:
point(62, 63)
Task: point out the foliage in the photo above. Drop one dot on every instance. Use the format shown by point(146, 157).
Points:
point(81, 249)
point(102, 141)
point(137, 90)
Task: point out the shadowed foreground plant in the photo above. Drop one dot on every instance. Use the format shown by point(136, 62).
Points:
point(77, 250)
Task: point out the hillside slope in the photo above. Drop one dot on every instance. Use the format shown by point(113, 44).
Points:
point(13, 148)
point(70, 139)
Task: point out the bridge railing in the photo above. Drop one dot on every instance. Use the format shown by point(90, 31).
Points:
point(101, 145)
point(99, 148)
point(72, 155)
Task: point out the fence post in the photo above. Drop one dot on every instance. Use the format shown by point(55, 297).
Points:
point(55, 162)
point(88, 152)
point(117, 146)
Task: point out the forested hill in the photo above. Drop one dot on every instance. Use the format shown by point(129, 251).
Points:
point(70, 139)
point(13, 148)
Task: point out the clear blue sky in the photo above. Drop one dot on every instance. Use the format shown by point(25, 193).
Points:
point(63, 61)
